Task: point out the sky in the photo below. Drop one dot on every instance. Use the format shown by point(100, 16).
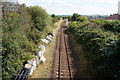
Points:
point(83, 7)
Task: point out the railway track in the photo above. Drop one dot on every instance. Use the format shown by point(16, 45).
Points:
point(63, 63)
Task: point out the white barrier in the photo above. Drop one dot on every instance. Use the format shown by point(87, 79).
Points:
point(48, 38)
point(31, 71)
point(42, 59)
point(32, 64)
point(41, 46)
point(45, 41)
point(40, 53)
point(37, 60)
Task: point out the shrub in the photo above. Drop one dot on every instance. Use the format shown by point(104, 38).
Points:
point(102, 47)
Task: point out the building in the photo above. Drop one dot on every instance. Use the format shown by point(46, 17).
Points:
point(115, 16)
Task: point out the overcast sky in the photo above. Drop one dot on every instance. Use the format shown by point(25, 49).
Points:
point(68, 7)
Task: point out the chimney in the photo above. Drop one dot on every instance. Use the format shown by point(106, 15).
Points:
point(119, 10)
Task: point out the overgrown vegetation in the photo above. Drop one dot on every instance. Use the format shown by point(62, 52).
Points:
point(112, 25)
point(101, 40)
point(20, 30)
point(55, 18)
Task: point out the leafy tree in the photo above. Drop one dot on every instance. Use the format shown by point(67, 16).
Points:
point(75, 16)
point(81, 18)
point(53, 16)
point(40, 17)
point(20, 30)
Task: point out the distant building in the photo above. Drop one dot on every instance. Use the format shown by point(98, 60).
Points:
point(119, 17)
point(115, 16)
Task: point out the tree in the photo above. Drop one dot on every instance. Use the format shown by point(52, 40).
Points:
point(53, 15)
point(75, 16)
point(40, 17)
point(81, 18)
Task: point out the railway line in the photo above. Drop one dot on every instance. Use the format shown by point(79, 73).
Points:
point(63, 62)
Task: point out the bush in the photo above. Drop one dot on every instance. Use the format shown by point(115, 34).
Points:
point(113, 26)
point(20, 30)
point(102, 47)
